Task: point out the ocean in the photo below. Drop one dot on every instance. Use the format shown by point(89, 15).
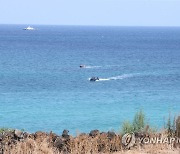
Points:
point(43, 88)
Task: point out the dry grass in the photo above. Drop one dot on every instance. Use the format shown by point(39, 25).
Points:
point(102, 143)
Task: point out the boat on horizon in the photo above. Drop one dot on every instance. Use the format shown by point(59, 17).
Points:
point(94, 79)
point(82, 66)
point(29, 28)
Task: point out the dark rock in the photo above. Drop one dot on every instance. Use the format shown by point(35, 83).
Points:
point(111, 135)
point(140, 134)
point(82, 134)
point(18, 133)
point(52, 136)
point(65, 134)
point(103, 133)
point(8, 134)
point(31, 136)
point(59, 143)
point(1, 136)
point(40, 134)
point(94, 133)
point(25, 135)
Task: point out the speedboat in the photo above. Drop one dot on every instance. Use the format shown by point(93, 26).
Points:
point(29, 28)
point(94, 79)
point(82, 66)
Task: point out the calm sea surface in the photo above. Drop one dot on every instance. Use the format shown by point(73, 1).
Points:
point(43, 88)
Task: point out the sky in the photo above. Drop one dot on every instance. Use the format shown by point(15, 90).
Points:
point(91, 12)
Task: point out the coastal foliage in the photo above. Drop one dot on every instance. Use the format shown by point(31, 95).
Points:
point(127, 127)
point(5, 129)
point(139, 121)
point(170, 126)
point(178, 126)
point(138, 124)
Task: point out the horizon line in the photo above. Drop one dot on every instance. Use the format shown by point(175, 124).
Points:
point(93, 25)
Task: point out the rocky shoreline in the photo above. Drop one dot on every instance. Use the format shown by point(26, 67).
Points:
point(17, 142)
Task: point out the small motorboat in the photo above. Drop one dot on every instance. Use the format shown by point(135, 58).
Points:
point(82, 66)
point(94, 79)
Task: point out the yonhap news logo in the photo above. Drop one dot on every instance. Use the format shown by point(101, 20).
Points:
point(129, 140)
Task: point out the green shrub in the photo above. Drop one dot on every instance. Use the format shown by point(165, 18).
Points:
point(139, 121)
point(170, 126)
point(138, 125)
point(178, 126)
point(127, 127)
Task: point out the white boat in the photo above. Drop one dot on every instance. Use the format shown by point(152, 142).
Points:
point(29, 28)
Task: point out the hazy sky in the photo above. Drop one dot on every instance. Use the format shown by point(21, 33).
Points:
point(91, 12)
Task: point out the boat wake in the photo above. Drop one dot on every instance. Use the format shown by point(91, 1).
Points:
point(92, 66)
point(120, 77)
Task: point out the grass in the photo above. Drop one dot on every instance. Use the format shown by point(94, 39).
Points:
point(172, 126)
point(138, 125)
point(178, 126)
point(5, 129)
point(139, 121)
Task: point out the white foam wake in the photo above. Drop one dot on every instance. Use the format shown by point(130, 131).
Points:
point(105, 66)
point(92, 66)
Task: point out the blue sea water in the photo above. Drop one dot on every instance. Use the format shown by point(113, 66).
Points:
point(43, 88)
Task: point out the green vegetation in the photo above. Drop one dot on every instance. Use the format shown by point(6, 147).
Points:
point(178, 126)
point(8, 130)
point(138, 124)
point(139, 121)
point(127, 127)
point(5, 129)
point(170, 126)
